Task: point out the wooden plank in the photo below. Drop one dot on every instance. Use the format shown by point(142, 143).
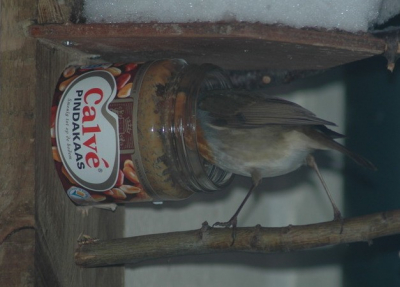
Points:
point(17, 94)
point(230, 45)
point(59, 223)
point(59, 11)
point(49, 11)
point(38, 240)
point(17, 266)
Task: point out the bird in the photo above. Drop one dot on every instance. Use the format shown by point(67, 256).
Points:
point(259, 136)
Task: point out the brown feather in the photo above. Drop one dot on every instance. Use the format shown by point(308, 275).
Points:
point(327, 141)
point(238, 109)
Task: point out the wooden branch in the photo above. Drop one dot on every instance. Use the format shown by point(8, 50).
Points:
point(94, 253)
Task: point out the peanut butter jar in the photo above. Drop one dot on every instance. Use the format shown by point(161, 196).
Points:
point(124, 133)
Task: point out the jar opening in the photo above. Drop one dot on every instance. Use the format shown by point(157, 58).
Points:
point(195, 172)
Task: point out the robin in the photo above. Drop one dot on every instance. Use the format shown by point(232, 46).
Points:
point(257, 136)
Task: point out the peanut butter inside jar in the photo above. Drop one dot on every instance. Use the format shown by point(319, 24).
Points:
point(167, 134)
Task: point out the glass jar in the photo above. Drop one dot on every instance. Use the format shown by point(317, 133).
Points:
point(127, 132)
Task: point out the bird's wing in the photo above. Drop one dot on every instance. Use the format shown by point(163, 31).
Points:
point(242, 109)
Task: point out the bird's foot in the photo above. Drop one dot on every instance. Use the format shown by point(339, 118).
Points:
point(230, 223)
point(337, 216)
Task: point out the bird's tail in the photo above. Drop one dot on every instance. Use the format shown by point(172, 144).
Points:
point(326, 138)
point(356, 157)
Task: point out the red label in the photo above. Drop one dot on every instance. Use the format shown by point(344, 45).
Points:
point(92, 134)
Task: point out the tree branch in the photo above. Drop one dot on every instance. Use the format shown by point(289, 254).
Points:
point(94, 253)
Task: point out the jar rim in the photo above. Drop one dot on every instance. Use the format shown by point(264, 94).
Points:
point(197, 173)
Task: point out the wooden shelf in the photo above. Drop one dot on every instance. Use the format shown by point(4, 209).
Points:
point(229, 45)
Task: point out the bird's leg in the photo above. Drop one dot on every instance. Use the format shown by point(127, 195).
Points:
point(233, 221)
point(311, 163)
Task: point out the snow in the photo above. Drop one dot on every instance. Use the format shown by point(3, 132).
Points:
point(348, 15)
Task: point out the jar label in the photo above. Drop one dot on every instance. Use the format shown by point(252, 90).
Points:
point(87, 131)
point(92, 134)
